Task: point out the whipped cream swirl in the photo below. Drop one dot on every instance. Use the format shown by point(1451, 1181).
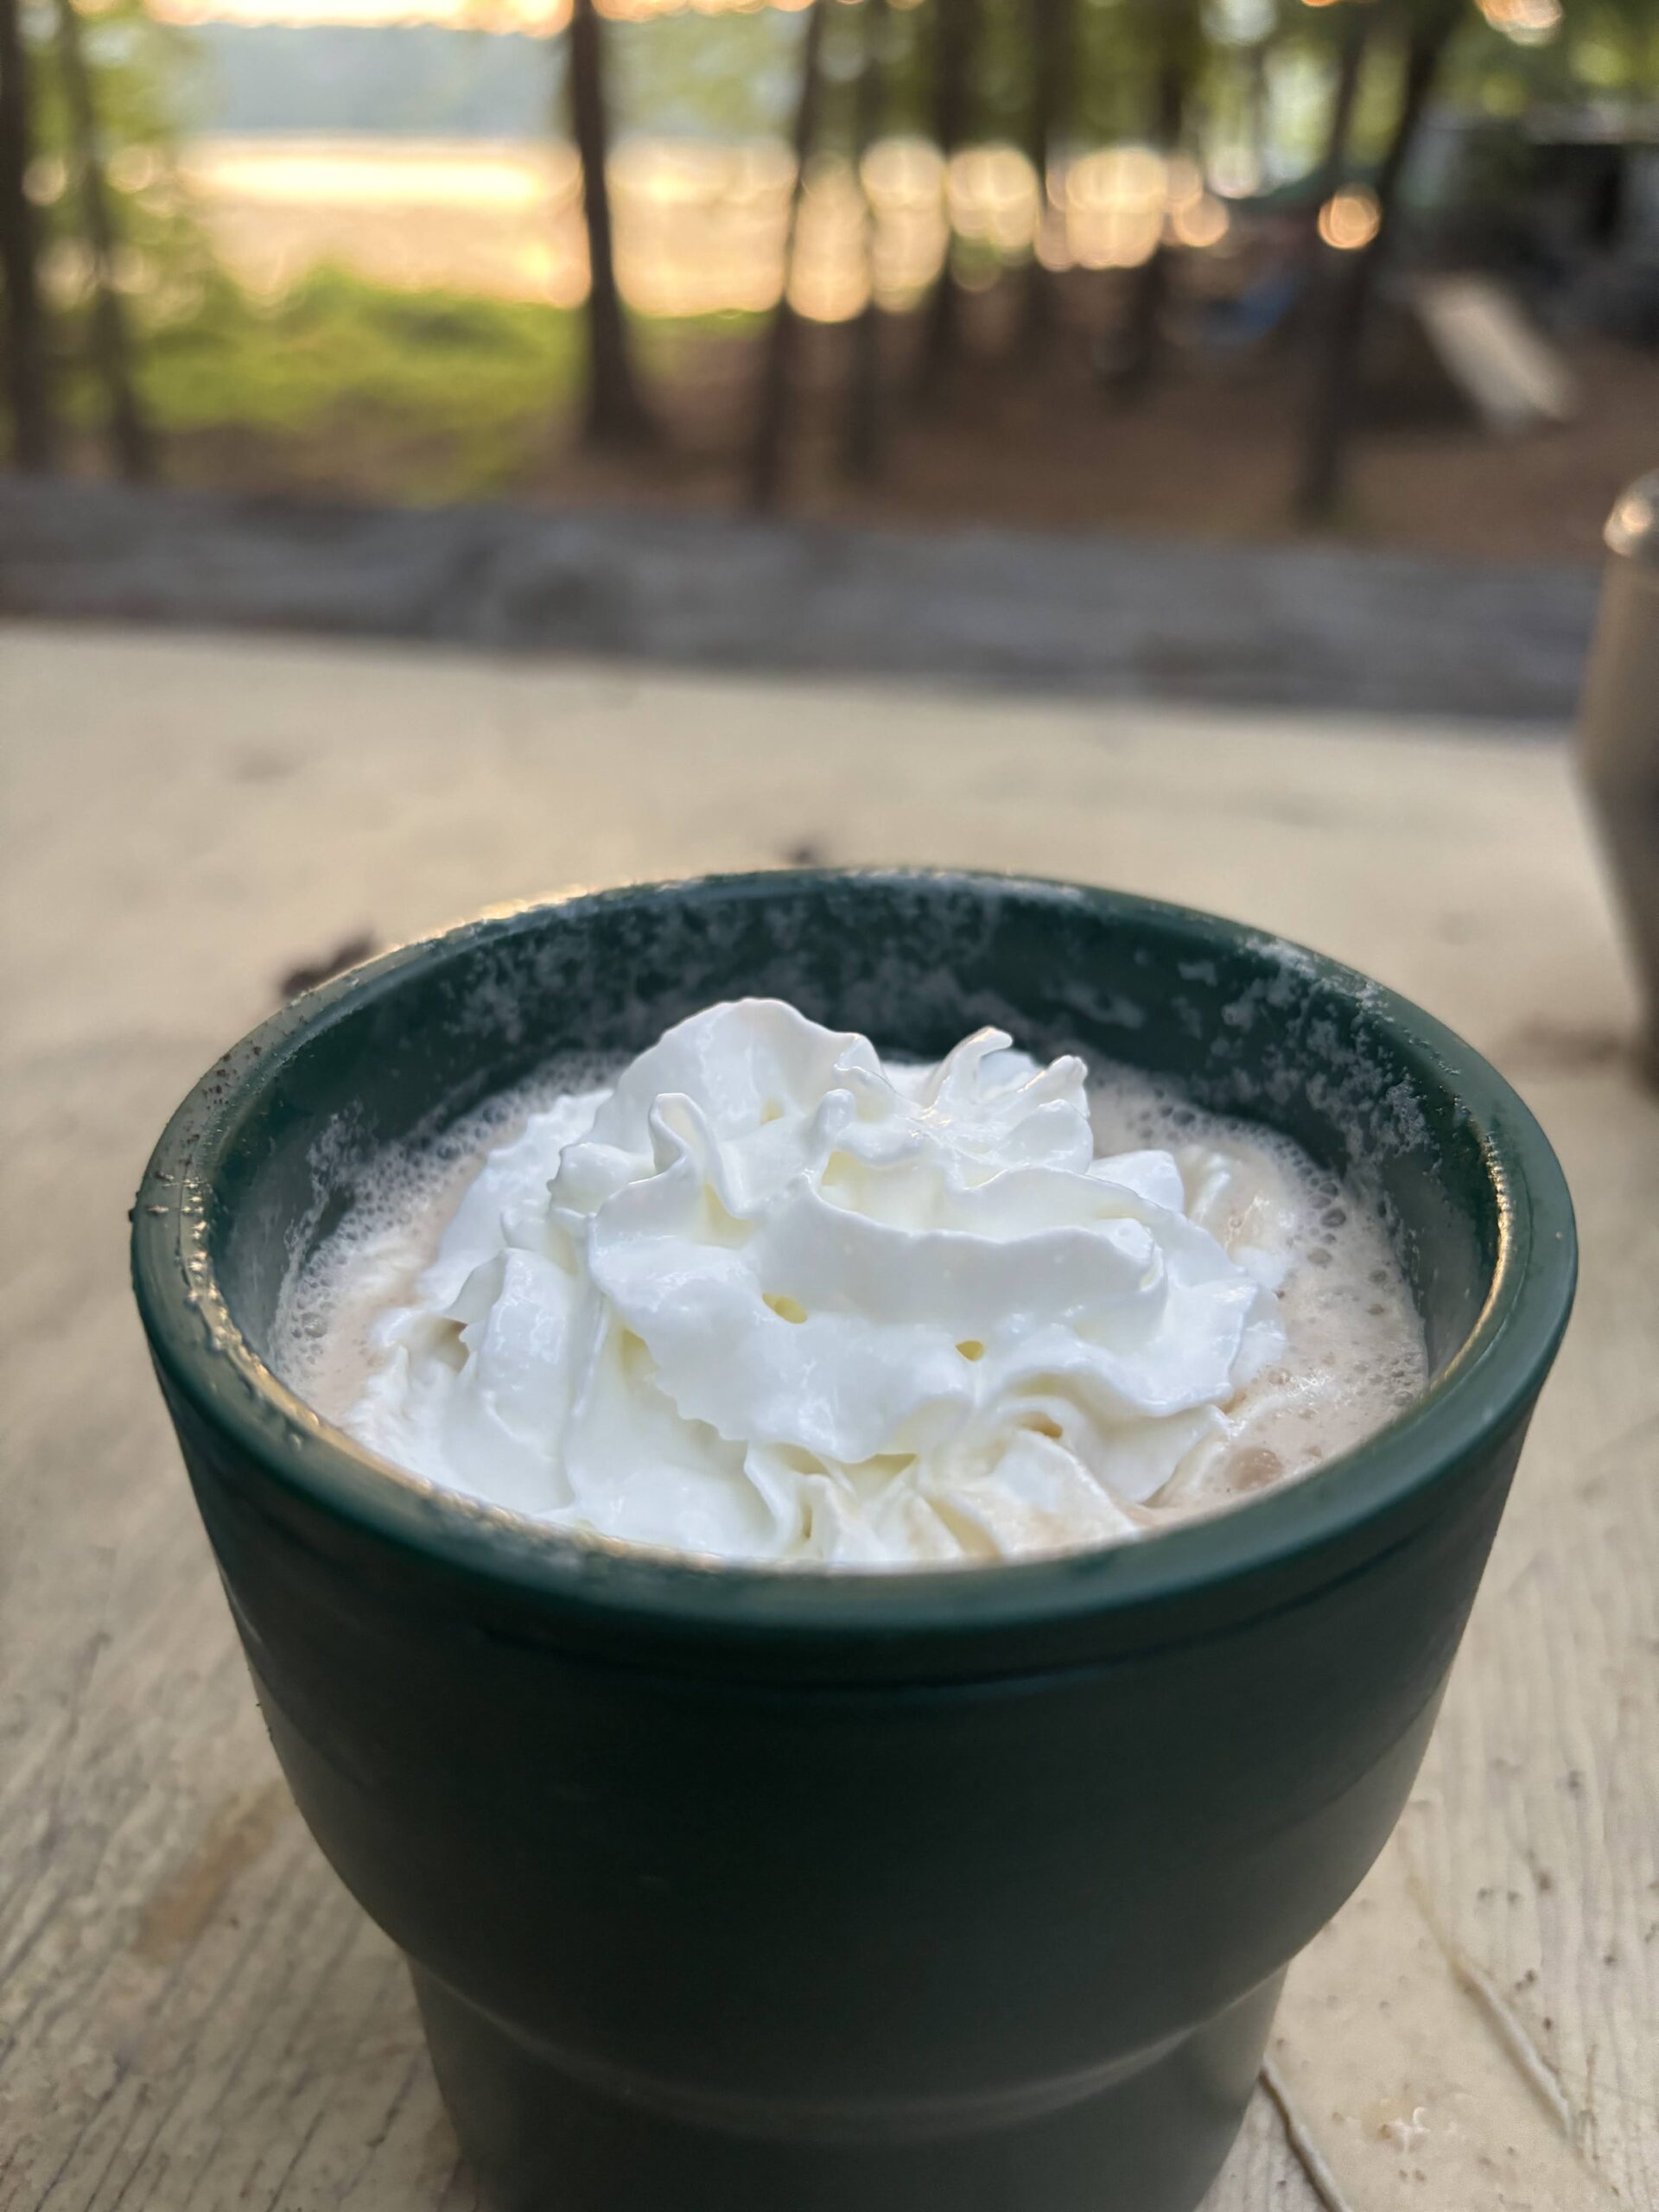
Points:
point(778, 1302)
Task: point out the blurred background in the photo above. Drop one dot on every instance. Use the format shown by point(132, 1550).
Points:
point(1157, 442)
point(1230, 270)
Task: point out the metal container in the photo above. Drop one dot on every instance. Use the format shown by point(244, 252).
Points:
point(1618, 728)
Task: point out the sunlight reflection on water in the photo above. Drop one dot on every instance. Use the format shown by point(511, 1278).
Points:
point(699, 227)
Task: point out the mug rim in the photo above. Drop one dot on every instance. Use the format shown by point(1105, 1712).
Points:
point(1484, 1388)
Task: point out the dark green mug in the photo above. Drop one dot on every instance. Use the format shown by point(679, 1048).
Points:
point(732, 1889)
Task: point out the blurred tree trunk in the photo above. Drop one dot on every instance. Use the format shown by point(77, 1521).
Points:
point(1354, 20)
point(862, 454)
point(1341, 337)
point(778, 374)
point(1052, 64)
point(27, 392)
point(956, 36)
point(130, 439)
point(614, 414)
point(1177, 33)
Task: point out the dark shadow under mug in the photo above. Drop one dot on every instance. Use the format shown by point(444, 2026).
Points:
point(732, 1889)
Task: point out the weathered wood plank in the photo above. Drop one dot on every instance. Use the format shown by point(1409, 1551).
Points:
point(194, 2017)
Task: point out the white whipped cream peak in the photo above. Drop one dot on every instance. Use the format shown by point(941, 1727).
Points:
point(778, 1302)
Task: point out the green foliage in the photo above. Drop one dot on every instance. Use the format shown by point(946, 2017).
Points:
point(141, 70)
point(471, 382)
point(1114, 72)
point(692, 75)
point(906, 63)
point(1602, 46)
point(1002, 77)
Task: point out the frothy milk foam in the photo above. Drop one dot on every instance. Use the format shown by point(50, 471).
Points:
point(889, 1315)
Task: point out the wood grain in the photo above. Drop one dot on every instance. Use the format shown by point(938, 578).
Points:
point(194, 2017)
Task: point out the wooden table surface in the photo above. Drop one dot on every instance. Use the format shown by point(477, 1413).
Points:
point(192, 2014)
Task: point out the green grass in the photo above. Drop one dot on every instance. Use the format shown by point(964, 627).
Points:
point(461, 386)
point(423, 395)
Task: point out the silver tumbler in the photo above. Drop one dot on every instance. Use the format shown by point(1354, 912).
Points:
point(1618, 729)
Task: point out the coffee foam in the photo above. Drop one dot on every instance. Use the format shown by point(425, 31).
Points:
point(1355, 1353)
